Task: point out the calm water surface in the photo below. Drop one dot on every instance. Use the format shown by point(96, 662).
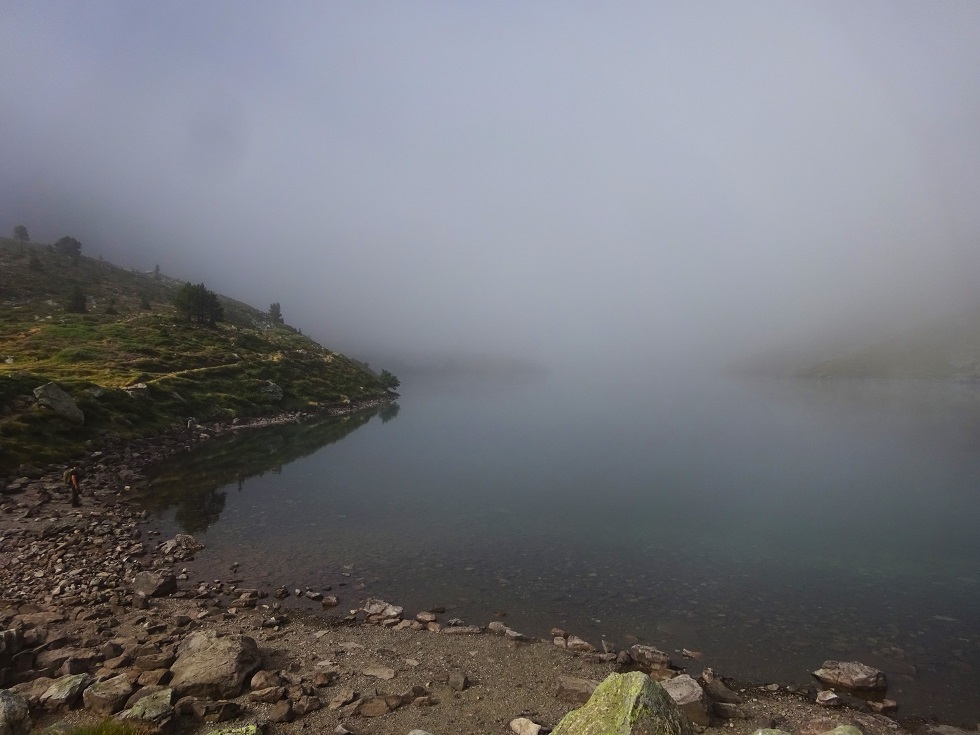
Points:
point(770, 525)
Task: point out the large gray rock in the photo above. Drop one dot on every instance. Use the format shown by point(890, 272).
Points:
point(851, 674)
point(64, 692)
point(689, 698)
point(53, 397)
point(109, 696)
point(626, 704)
point(15, 716)
point(214, 668)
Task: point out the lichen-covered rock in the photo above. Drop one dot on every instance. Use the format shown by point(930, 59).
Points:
point(109, 696)
point(626, 704)
point(15, 716)
point(851, 674)
point(214, 668)
point(155, 708)
point(64, 692)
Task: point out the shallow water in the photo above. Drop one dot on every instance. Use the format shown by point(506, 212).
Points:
point(770, 525)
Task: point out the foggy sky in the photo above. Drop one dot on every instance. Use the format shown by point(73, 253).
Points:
point(557, 180)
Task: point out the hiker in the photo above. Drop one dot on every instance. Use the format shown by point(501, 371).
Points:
point(72, 477)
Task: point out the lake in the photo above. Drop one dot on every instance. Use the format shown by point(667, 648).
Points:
point(769, 525)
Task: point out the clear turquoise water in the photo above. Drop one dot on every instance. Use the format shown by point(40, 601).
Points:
point(769, 524)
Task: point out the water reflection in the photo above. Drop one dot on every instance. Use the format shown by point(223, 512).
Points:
point(233, 460)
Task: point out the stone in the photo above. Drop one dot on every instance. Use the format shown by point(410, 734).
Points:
point(109, 696)
point(52, 396)
point(329, 601)
point(574, 690)
point(269, 695)
point(180, 546)
point(574, 643)
point(769, 731)
point(271, 391)
point(251, 729)
point(154, 584)
point(220, 711)
point(379, 672)
point(343, 697)
point(885, 705)
point(458, 681)
point(154, 677)
point(426, 617)
point(15, 716)
point(728, 711)
point(306, 704)
point(649, 655)
point(716, 690)
point(373, 707)
point(461, 629)
point(214, 667)
point(851, 674)
point(382, 609)
point(626, 704)
point(264, 679)
point(281, 712)
point(524, 726)
point(154, 708)
point(64, 692)
point(827, 698)
point(689, 698)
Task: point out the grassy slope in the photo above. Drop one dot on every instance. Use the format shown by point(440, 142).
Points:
point(946, 349)
point(190, 370)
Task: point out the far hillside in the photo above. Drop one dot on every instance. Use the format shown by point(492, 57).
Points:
point(113, 340)
point(946, 349)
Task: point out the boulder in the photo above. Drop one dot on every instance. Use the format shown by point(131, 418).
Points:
point(53, 397)
point(154, 584)
point(626, 704)
point(154, 708)
point(214, 668)
point(64, 692)
point(271, 391)
point(15, 716)
point(851, 674)
point(109, 696)
point(689, 698)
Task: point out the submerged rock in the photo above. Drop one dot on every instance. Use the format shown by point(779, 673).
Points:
point(851, 674)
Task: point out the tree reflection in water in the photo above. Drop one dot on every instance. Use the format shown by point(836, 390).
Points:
point(195, 483)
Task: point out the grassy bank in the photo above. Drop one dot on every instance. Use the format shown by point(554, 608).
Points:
point(133, 366)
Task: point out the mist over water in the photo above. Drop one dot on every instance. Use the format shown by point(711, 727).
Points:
point(769, 524)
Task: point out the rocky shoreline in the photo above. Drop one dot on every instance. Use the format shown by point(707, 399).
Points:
point(99, 618)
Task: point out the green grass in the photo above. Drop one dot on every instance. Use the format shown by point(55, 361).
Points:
point(190, 370)
point(108, 727)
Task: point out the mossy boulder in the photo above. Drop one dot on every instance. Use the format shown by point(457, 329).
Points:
point(626, 704)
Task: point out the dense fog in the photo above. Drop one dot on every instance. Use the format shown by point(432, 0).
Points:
point(571, 183)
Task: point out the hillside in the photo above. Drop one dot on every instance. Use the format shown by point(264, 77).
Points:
point(947, 349)
point(133, 367)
